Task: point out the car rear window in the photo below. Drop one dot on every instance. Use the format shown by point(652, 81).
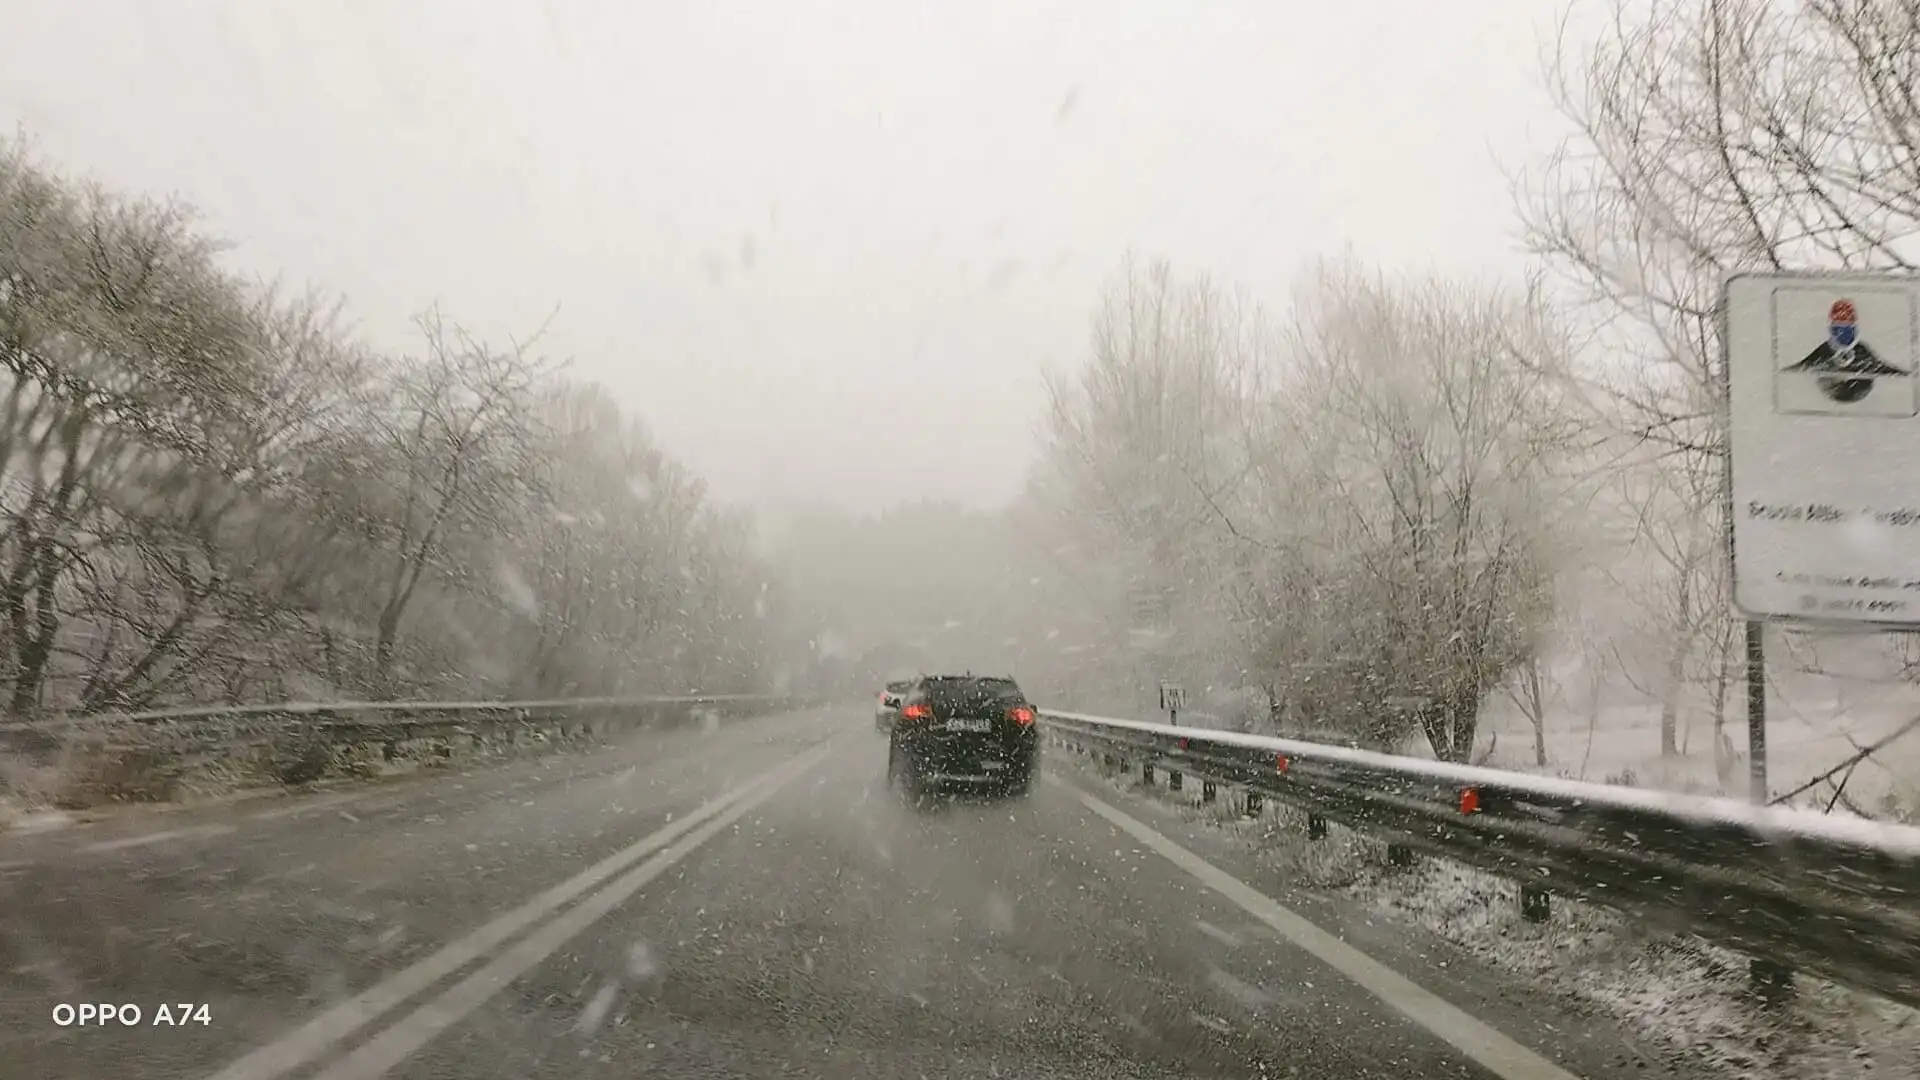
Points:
point(969, 696)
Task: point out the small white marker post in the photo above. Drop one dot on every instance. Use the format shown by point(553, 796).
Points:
point(1172, 699)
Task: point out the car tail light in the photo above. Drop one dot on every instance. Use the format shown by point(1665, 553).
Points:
point(1021, 715)
point(916, 712)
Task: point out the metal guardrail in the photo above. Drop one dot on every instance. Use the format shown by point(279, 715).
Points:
point(1835, 896)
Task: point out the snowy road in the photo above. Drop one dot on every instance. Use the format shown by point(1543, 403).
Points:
point(745, 901)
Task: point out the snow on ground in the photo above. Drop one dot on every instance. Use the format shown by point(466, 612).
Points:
point(1815, 721)
point(1673, 989)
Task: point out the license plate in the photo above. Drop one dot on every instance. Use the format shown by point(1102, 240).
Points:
point(969, 724)
point(993, 766)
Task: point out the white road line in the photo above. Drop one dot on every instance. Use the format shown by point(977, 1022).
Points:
point(400, 1041)
point(308, 806)
point(314, 1038)
point(1495, 1052)
point(303, 806)
point(190, 833)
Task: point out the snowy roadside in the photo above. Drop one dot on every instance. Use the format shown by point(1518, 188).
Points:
point(1671, 989)
point(1815, 723)
point(20, 817)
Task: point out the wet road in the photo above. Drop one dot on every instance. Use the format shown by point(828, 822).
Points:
point(745, 901)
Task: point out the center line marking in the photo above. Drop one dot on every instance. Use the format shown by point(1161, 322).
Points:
point(304, 806)
point(400, 1041)
point(316, 1037)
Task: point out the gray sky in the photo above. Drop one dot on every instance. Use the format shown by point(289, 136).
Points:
point(826, 247)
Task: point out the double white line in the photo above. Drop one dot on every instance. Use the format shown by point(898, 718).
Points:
point(327, 1031)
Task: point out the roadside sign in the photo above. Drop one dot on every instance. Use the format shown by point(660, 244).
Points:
point(1173, 697)
point(1824, 437)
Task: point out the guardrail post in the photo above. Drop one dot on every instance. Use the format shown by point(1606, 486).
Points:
point(1771, 980)
point(1174, 780)
point(1399, 855)
point(1316, 826)
point(1254, 802)
point(1207, 791)
point(1536, 903)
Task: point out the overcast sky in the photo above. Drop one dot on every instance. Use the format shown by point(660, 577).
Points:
point(825, 247)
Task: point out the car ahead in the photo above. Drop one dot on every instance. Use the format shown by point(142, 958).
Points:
point(964, 731)
point(888, 706)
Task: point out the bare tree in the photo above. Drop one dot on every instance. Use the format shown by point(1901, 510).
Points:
point(124, 347)
point(1348, 517)
point(618, 568)
point(1439, 444)
point(1715, 136)
point(211, 491)
point(1146, 460)
point(1530, 694)
point(456, 445)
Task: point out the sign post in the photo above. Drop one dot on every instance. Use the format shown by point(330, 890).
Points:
point(1757, 788)
point(1823, 441)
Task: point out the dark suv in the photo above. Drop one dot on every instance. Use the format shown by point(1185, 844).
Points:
point(969, 731)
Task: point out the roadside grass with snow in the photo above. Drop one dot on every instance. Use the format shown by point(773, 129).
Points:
point(1672, 989)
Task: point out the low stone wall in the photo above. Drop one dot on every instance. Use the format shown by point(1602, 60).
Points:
point(80, 764)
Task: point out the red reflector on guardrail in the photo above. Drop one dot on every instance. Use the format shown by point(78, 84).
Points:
point(1470, 800)
point(1183, 742)
point(1279, 763)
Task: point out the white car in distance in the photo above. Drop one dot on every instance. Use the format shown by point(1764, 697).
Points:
point(887, 709)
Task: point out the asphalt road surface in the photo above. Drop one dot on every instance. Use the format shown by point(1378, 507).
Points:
point(745, 901)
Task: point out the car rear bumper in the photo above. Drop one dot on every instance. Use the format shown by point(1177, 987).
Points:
point(945, 779)
point(971, 761)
